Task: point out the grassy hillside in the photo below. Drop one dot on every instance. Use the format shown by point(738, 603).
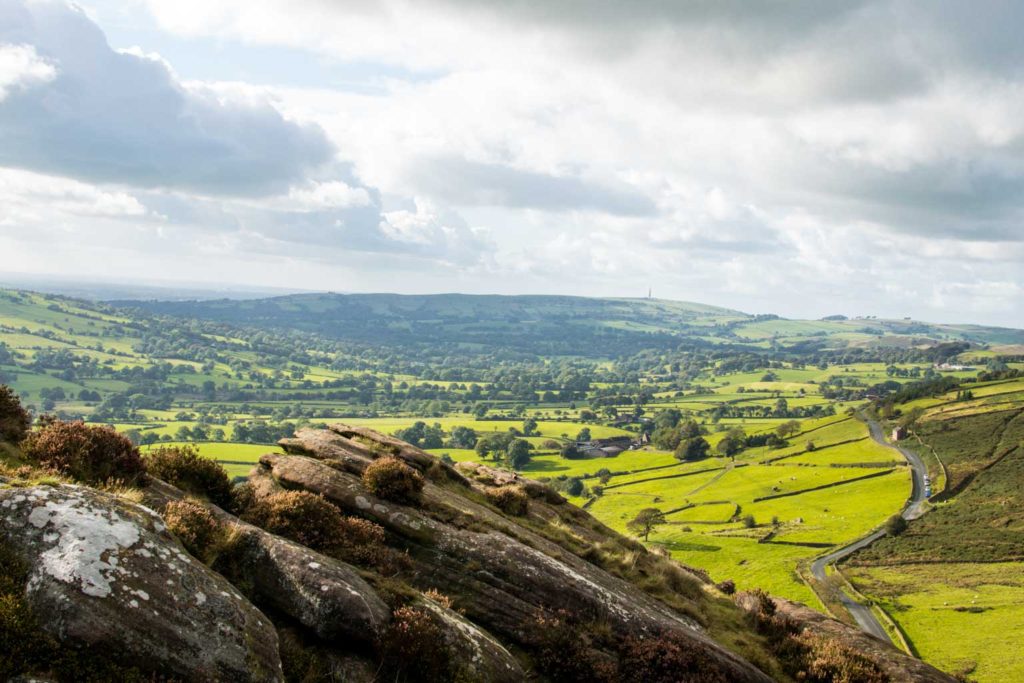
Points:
point(953, 581)
point(556, 324)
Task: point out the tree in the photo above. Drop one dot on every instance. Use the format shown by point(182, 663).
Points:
point(570, 452)
point(666, 438)
point(895, 525)
point(690, 430)
point(529, 427)
point(787, 429)
point(693, 449)
point(645, 521)
point(781, 408)
point(463, 437)
point(734, 442)
point(422, 436)
point(518, 454)
point(911, 417)
point(584, 434)
point(668, 418)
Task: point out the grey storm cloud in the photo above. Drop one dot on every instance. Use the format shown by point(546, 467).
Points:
point(117, 117)
point(465, 182)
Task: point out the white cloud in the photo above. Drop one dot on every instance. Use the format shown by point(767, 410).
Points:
point(21, 67)
point(801, 158)
point(49, 196)
point(331, 194)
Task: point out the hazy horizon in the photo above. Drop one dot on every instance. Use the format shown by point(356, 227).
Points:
point(111, 290)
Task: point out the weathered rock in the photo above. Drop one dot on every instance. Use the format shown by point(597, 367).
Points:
point(322, 593)
point(481, 657)
point(502, 573)
point(261, 483)
point(897, 665)
point(493, 476)
point(353, 448)
point(106, 573)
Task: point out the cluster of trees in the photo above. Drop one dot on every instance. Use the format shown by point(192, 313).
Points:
point(685, 437)
point(505, 448)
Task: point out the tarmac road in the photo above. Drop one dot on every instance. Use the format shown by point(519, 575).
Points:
point(914, 508)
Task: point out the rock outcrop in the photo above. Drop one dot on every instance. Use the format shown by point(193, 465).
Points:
point(106, 574)
point(444, 586)
point(502, 574)
point(320, 592)
point(897, 665)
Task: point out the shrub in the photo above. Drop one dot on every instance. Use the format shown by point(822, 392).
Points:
point(14, 420)
point(895, 525)
point(186, 469)
point(666, 659)
point(90, 454)
point(509, 499)
point(566, 650)
point(301, 516)
point(392, 479)
point(242, 498)
point(574, 486)
point(414, 648)
point(314, 522)
point(358, 531)
point(438, 598)
point(195, 526)
point(749, 522)
point(830, 661)
point(728, 586)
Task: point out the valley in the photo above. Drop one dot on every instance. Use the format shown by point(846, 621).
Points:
point(748, 434)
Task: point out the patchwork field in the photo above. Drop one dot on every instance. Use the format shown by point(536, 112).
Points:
point(800, 505)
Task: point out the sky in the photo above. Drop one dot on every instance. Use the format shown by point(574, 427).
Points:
point(799, 158)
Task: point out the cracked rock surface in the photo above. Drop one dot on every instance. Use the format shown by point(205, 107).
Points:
point(105, 572)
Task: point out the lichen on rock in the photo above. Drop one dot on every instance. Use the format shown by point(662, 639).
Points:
point(105, 573)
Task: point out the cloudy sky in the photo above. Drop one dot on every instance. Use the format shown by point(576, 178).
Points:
point(802, 158)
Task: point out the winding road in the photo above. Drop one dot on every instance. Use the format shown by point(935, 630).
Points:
point(914, 508)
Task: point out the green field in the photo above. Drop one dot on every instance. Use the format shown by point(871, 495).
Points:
point(711, 534)
point(954, 581)
point(963, 618)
